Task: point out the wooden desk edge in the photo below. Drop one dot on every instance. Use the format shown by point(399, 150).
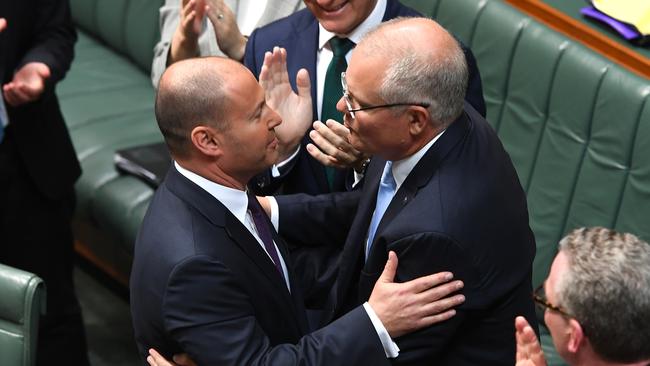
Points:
point(591, 38)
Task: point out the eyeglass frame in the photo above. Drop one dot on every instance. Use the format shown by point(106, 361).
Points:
point(348, 102)
point(543, 301)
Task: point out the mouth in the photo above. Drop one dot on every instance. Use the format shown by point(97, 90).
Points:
point(273, 145)
point(335, 9)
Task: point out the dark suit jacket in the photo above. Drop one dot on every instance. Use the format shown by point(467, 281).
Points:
point(202, 284)
point(298, 34)
point(461, 209)
point(40, 31)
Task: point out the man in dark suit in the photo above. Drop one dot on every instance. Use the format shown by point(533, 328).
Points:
point(440, 191)
point(210, 276)
point(307, 36)
point(38, 166)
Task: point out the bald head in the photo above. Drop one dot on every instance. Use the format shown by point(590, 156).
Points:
point(424, 63)
point(193, 92)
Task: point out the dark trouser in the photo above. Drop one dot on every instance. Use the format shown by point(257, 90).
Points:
point(35, 236)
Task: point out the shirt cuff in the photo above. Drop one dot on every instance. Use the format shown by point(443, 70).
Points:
point(275, 169)
point(390, 348)
point(275, 213)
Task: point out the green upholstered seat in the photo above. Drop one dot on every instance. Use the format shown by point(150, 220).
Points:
point(22, 301)
point(107, 100)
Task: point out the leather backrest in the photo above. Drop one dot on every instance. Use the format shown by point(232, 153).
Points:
point(576, 125)
point(130, 27)
point(21, 303)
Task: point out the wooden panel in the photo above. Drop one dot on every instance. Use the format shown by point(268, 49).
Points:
point(591, 38)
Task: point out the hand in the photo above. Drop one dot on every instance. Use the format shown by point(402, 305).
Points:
point(295, 109)
point(3, 24)
point(529, 352)
point(224, 22)
point(27, 85)
point(334, 148)
point(405, 307)
point(156, 359)
point(185, 42)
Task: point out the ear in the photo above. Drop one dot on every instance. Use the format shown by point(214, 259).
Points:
point(418, 119)
point(206, 140)
point(576, 336)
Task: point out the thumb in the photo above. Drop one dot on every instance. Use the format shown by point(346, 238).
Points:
point(44, 71)
point(388, 275)
point(303, 83)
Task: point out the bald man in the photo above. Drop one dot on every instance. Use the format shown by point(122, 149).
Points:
point(440, 191)
point(210, 276)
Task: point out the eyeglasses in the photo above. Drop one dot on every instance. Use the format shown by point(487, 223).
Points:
point(348, 102)
point(539, 296)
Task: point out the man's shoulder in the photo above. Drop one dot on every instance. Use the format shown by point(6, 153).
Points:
point(287, 26)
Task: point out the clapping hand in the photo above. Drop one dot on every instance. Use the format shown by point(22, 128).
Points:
point(529, 352)
point(27, 85)
point(331, 146)
point(295, 109)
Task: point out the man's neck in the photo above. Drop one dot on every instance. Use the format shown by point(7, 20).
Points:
point(213, 173)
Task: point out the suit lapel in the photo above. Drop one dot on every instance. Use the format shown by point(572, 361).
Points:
point(219, 215)
point(424, 170)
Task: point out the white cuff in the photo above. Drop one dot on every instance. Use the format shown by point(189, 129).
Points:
point(275, 213)
point(275, 169)
point(390, 348)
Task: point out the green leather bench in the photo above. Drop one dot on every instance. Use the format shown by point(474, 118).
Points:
point(107, 100)
point(21, 304)
point(576, 125)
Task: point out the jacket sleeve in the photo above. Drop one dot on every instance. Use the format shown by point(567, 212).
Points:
point(53, 39)
point(208, 313)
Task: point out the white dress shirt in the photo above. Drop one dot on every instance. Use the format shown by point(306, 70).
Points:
point(236, 202)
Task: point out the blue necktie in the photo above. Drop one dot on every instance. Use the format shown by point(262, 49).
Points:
point(385, 194)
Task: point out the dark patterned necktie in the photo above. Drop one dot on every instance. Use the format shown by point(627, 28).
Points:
point(261, 222)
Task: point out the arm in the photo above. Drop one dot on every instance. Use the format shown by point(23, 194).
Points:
point(49, 56)
point(225, 332)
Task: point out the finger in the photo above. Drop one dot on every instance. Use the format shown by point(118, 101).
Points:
point(183, 360)
point(12, 96)
point(3, 24)
point(326, 146)
point(43, 71)
point(151, 361)
point(530, 339)
point(520, 323)
point(437, 318)
point(322, 158)
point(303, 83)
point(26, 93)
point(188, 7)
point(326, 131)
point(424, 283)
point(438, 292)
point(264, 72)
point(442, 305)
point(283, 65)
point(388, 275)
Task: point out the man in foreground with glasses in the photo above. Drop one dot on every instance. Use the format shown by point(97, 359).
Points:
point(440, 191)
point(596, 302)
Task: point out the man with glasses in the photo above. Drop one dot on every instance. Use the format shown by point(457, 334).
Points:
point(440, 191)
point(596, 302)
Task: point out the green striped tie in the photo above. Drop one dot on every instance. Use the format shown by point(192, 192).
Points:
point(333, 90)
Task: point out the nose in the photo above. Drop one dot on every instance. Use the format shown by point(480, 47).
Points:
point(341, 106)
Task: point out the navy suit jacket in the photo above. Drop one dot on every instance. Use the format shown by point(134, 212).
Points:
point(202, 284)
point(461, 209)
point(298, 34)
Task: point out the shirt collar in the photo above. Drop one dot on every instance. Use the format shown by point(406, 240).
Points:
point(373, 20)
point(236, 201)
point(402, 168)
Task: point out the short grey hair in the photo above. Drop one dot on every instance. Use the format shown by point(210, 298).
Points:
point(415, 75)
point(607, 289)
point(195, 96)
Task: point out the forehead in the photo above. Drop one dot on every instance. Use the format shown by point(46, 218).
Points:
point(365, 72)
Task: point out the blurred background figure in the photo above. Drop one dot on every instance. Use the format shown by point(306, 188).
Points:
point(38, 167)
point(596, 302)
point(190, 28)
